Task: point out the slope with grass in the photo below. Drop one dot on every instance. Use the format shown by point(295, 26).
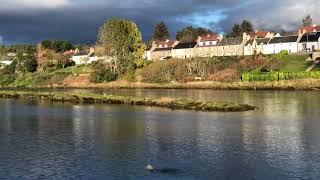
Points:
point(294, 63)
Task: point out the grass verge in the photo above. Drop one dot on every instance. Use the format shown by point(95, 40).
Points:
point(111, 99)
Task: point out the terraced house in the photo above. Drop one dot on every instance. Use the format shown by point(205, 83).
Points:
point(256, 46)
point(278, 44)
point(208, 45)
point(309, 42)
point(232, 46)
point(162, 49)
point(184, 50)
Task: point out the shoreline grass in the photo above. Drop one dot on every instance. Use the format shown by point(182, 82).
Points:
point(183, 104)
point(299, 84)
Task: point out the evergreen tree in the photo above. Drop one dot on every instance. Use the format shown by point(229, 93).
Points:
point(236, 31)
point(161, 31)
point(307, 21)
point(247, 26)
point(190, 34)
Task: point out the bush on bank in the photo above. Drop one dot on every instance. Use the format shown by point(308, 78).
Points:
point(212, 68)
point(278, 76)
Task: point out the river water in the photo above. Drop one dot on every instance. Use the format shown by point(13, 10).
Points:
point(281, 140)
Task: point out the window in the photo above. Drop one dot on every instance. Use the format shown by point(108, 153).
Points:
point(304, 46)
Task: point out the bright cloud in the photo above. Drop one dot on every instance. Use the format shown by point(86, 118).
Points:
point(26, 5)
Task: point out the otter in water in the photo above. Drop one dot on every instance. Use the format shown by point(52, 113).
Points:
point(162, 170)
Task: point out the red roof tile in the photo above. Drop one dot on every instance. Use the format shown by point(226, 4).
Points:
point(310, 28)
point(209, 37)
point(166, 43)
point(258, 34)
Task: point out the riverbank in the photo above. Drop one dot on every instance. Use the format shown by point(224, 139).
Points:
point(300, 84)
point(183, 104)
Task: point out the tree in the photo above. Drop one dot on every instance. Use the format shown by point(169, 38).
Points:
point(236, 31)
point(26, 60)
point(246, 26)
point(307, 21)
point(190, 34)
point(161, 31)
point(57, 45)
point(122, 40)
point(63, 59)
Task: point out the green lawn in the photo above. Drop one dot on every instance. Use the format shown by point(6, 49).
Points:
point(294, 63)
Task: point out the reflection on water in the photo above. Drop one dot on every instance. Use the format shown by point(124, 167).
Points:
point(68, 141)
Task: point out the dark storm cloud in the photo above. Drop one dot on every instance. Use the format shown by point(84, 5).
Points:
point(24, 21)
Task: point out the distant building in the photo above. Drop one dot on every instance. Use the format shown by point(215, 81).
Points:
point(84, 57)
point(232, 46)
point(309, 29)
point(162, 49)
point(11, 54)
point(208, 45)
point(255, 46)
point(260, 34)
point(278, 44)
point(184, 50)
point(309, 42)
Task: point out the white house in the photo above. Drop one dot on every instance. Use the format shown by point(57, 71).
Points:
point(210, 39)
point(255, 46)
point(184, 50)
point(84, 57)
point(309, 42)
point(278, 44)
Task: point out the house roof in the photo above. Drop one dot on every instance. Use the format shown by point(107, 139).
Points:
point(163, 49)
point(82, 53)
point(310, 37)
point(185, 45)
point(310, 28)
point(262, 40)
point(258, 40)
point(209, 37)
point(250, 42)
point(284, 39)
point(258, 34)
point(230, 41)
point(163, 44)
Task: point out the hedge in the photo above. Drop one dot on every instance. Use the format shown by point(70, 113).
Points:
point(278, 76)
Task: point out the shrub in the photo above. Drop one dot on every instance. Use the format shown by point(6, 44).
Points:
point(6, 79)
point(226, 75)
point(282, 54)
point(130, 74)
point(102, 72)
point(276, 76)
point(164, 71)
point(9, 69)
point(252, 64)
point(272, 65)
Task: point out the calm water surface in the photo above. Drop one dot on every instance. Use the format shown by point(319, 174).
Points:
point(41, 140)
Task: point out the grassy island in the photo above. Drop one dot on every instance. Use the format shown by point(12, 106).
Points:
point(112, 99)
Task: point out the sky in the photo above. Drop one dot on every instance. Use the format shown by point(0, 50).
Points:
point(31, 21)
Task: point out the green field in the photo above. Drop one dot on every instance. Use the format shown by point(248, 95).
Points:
point(294, 63)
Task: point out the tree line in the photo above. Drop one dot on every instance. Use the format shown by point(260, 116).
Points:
point(190, 33)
